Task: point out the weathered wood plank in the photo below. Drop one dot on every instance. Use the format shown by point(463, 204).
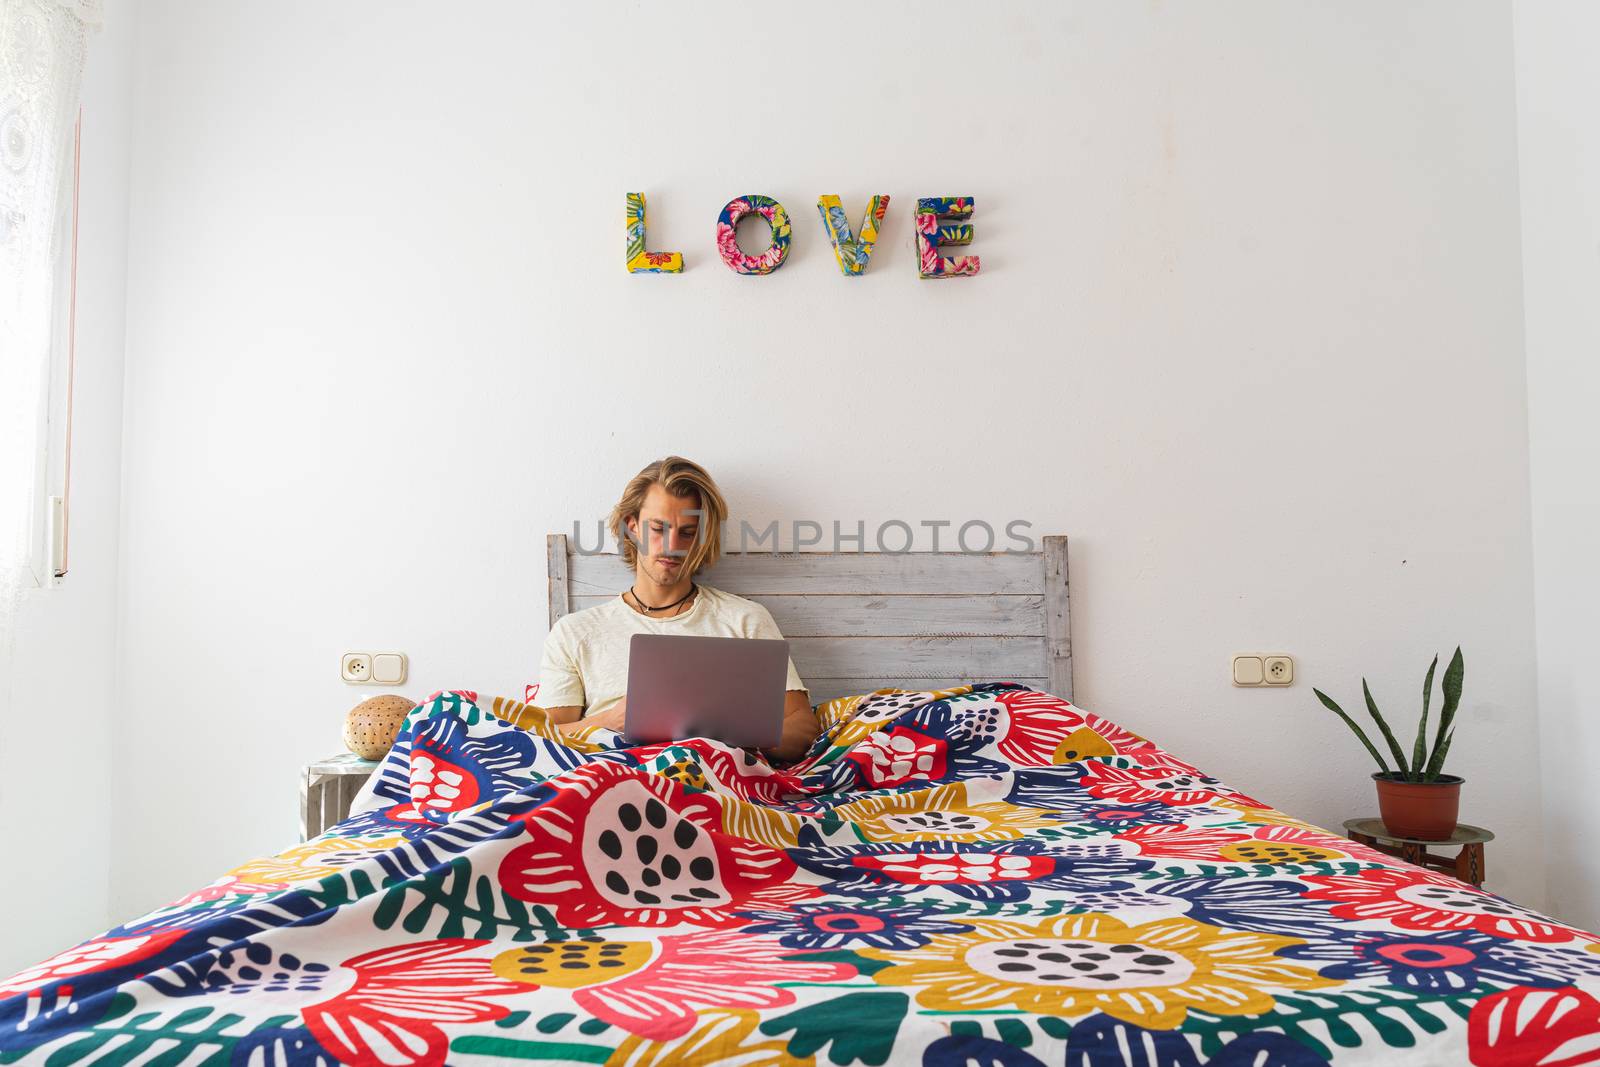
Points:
point(328, 793)
point(556, 587)
point(886, 615)
point(349, 786)
point(862, 621)
point(344, 763)
point(853, 573)
point(336, 791)
point(822, 689)
point(920, 657)
point(1057, 617)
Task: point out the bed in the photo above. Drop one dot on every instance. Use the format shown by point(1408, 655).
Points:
point(966, 869)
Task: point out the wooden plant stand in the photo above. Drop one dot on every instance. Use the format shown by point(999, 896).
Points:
point(1467, 864)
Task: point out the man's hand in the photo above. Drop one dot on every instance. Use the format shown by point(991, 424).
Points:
point(800, 728)
point(612, 718)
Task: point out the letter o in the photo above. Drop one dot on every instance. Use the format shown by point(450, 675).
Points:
point(961, 536)
point(904, 548)
point(728, 239)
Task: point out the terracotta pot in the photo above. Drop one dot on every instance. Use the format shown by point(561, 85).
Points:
point(1425, 811)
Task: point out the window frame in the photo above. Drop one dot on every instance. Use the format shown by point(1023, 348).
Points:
point(49, 554)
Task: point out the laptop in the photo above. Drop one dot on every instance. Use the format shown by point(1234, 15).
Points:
point(727, 688)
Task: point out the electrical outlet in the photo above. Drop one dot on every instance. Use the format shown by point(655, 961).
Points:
point(356, 668)
point(1252, 669)
point(373, 668)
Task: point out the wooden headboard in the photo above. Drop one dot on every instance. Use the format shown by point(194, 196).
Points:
point(859, 621)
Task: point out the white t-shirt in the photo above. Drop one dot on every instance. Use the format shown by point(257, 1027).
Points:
point(586, 655)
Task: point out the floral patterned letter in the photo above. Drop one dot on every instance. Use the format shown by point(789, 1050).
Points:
point(851, 252)
point(640, 261)
point(728, 241)
point(931, 235)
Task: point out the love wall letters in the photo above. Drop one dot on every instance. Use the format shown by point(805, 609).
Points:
point(940, 221)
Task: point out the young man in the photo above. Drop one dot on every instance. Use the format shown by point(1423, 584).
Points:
point(669, 525)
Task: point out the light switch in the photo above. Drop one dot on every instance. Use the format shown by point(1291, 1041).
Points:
point(1247, 670)
point(389, 668)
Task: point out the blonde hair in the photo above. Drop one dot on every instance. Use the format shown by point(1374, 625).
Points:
point(682, 478)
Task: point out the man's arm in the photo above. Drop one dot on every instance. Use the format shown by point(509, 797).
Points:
point(799, 727)
point(612, 718)
point(559, 676)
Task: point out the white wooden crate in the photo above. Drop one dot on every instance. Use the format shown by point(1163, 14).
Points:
point(327, 789)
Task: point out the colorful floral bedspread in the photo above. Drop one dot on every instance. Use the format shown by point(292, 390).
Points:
point(985, 876)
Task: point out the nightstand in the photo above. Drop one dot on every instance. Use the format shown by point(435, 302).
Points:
point(1466, 865)
point(327, 789)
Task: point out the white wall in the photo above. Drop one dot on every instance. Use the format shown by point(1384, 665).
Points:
point(1247, 330)
point(1557, 85)
point(55, 752)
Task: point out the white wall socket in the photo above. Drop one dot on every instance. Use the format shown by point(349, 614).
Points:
point(369, 668)
point(1253, 669)
point(356, 668)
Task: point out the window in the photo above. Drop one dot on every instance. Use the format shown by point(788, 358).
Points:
point(41, 68)
point(49, 553)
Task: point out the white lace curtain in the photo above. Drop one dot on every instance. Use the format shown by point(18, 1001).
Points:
point(42, 48)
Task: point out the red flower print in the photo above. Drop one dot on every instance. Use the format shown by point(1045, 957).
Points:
point(1042, 730)
point(101, 954)
point(728, 246)
point(936, 868)
point(898, 755)
point(616, 845)
point(733, 770)
point(1167, 841)
point(657, 990)
point(1414, 899)
point(1165, 785)
point(1275, 845)
point(440, 784)
point(391, 1015)
point(1529, 1027)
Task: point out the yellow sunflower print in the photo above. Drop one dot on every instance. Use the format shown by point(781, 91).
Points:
point(944, 813)
point(721, 1037)
point(833, 712)
point(773, 828)
point(314, 859)
point(1149, 975)
point(535, 720)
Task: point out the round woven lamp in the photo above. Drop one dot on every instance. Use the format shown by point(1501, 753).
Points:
point(371, 726)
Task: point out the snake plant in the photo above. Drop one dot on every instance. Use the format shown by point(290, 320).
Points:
point(1424, 764)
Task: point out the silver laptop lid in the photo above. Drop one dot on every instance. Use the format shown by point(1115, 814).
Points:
point(728, 688)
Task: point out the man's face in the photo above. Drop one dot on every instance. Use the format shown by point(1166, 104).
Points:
point(664, 533)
